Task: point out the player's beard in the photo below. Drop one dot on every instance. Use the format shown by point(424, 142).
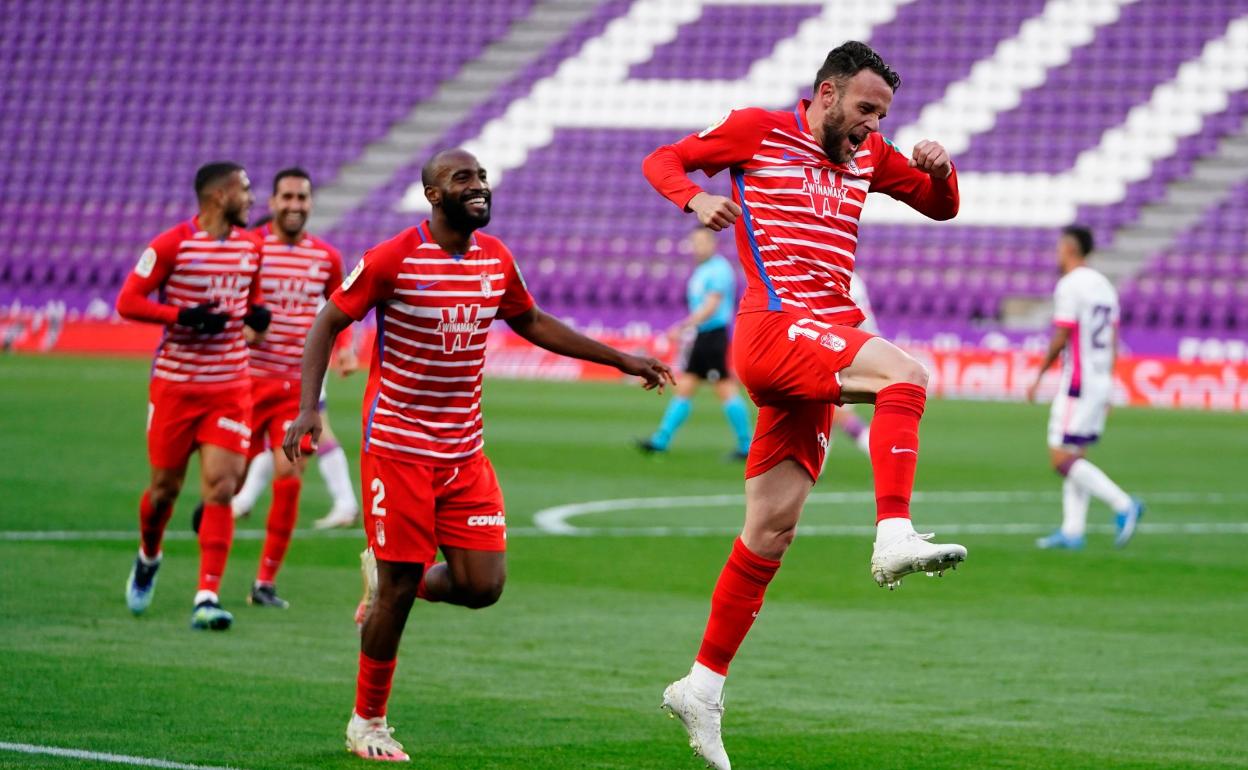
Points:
point(237, 215)
point(282, 224)
point(835, 134)
point(458, 216)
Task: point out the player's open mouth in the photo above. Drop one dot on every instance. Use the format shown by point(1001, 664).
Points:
point(477, 203)
point(855, 140)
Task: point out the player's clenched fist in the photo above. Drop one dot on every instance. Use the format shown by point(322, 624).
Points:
point(714, 211)
point(931, 158)
point(307, 423)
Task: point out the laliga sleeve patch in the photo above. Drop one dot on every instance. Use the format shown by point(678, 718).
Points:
point(350, 279)
point(706, 131)
point(147, 262)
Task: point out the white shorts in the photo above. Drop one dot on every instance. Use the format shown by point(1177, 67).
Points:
point(1077, 421)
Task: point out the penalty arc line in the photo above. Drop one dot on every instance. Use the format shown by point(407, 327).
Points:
point(100, 756)
point(554, 521)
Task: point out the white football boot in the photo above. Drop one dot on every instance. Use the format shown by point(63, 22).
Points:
point(909, 553)
point(701, 719)
point(339, 517)
point(374, 739)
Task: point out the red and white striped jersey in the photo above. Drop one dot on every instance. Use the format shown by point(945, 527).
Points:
point(798, 231)
point(189, 267)
point(295, 279)
point(423, 401)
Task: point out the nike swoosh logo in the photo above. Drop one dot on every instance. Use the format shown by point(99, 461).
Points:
point(422, 286)
point(897, 451)
point(791, 156)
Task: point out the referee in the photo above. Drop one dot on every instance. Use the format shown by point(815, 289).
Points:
point(712, 294)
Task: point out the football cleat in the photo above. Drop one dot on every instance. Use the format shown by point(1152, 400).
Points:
point(265, 595)
point(1057, 540)
point(374, 739)
point(702, 721)
point(913, 553)
point(237, 510)
point(649, 447)
point(338, 517)
point(1126, 522)
point(141, 584)
point(208, 616)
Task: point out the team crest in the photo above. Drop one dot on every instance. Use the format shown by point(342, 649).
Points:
point(826, 189)
point(381, 533)
point(146, 263)
point(832, 342)
point(485, 285)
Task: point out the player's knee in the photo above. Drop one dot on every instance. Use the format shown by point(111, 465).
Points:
point(909, 370)
point(219, 491)
point(483, 592)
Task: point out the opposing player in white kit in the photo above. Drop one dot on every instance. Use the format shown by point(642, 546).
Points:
point(1085, 321)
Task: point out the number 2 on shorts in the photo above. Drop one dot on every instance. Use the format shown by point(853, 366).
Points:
point(379, 494)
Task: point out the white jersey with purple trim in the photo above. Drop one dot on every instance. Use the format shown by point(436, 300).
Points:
point(1087, 303)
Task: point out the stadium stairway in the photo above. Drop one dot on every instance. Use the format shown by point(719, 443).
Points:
point(548, 22)
point(1159, 224)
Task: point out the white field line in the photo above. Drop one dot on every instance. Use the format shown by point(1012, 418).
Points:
point(554, 521)
point(99, 756)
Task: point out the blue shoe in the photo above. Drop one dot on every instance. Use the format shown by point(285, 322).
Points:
point(1126, 522)
point(1058, 540)
point(141, 585)
point(208, 616)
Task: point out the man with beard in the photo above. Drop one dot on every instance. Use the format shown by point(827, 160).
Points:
point(206, 273)
point(299, 271)
point(427, 484)
point(800, 178)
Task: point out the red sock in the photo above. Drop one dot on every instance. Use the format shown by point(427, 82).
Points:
point(735, 603)
point(152, 522)
point(282, 514)
point(216, 532)
point(895, 447)
point(372, 686)
point(422, 591)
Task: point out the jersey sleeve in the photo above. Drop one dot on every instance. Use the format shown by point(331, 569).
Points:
point(730, 142)
point(255, 292)
point(1065, 305)
point(893, 176)
point(154, 267)
point(370, 283)
point(516, 297)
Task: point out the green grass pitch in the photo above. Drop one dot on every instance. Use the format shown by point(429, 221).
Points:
point(1020, 659)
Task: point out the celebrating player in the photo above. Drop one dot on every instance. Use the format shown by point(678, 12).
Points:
point(800, 178)
point(299, 270)
point(207, 273)
point(1085, 328)
point(711, 291)
point(427, 484)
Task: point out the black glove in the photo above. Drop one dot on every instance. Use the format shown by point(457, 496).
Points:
point(202, 319)
point(258, 318)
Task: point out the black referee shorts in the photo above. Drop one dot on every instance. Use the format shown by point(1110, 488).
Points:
point(708, 358)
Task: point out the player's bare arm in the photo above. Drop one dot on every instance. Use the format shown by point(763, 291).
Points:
point(932, 159)
point(316, 351)
point(714, 211)
point(697, 317)
point(548, 332)
point(1061, 337)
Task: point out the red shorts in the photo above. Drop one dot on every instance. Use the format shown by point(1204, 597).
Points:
point(790, 365)
point(181, 417)
point(274, 406)
point(411, 509)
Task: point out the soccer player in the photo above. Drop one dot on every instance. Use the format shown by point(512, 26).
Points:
point(1085, 328)
point(435, 288)
point(711, 294)
point(206, 271)
point(298, 272)
point(800, 178)
point(331, 460)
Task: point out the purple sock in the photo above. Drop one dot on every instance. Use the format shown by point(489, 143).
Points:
point(326, 446)
point(853, 425)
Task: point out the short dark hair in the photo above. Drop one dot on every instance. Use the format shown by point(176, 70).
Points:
point(293, 172)
point(211, 173)
point(1082, 236)
point(850, 58)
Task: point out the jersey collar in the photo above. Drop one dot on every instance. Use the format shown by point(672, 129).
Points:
point(799, 112)
point(426, 236)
